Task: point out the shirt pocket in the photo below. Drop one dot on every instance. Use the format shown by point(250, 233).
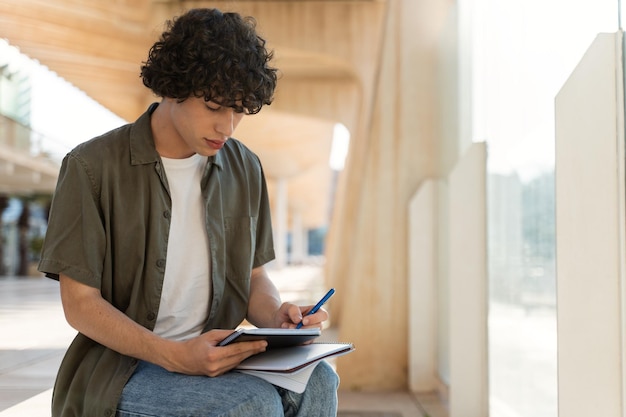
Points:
point(240, 241)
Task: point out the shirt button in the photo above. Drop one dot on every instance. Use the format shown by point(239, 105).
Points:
point(151, 316)
point(166, 214)
point(108, 412)
point(160, 263)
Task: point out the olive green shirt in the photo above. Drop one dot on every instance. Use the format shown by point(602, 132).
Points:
point(108, 229)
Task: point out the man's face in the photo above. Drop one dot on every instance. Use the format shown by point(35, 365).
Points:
point(203, 127)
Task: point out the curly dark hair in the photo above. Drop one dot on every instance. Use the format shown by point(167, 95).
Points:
point(215, 55)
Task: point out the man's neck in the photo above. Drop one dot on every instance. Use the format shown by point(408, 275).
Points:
point(167, 140)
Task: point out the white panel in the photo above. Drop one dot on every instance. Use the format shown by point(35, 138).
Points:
point(468, 285)
point(590, 230)
point(422, 288)
point(443, 287)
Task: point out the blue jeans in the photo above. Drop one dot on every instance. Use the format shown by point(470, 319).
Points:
point(155, 392)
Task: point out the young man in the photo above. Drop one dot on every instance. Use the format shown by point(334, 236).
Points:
point(158, 235)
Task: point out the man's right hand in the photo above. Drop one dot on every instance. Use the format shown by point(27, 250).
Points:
point(93, 316)
point(201, 355)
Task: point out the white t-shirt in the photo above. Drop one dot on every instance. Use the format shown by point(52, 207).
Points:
point(187, 284)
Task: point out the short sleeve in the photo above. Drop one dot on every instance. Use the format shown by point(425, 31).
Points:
point(264, 238)
point(75, 240)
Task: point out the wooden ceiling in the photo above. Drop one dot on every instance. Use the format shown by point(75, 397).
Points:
point(325, 51)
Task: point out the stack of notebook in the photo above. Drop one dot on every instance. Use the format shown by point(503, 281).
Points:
point(287, 362)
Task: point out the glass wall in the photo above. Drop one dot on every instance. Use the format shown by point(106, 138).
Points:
point(43, 113)
point(522, 53)
point(43, 116)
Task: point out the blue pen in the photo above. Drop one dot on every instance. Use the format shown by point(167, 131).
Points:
point(318, 305)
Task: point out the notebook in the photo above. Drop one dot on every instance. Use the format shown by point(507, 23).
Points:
point(276, 338)
point(291, 367)
point(295, 381)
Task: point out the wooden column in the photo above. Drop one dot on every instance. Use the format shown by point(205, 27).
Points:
point(396, 152)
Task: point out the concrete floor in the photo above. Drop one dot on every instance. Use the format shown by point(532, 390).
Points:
point(35, 336)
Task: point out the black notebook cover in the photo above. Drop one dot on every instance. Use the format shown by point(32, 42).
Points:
point(276, 338)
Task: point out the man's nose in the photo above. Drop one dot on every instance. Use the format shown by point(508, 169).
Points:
point(226, 122)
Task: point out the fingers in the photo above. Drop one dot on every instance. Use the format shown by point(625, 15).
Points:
point(226, 358)
point(315, 320)
point(288, 316)
point(202, 356)
point(296, 314)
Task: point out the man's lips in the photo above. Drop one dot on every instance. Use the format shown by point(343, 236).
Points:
point(216, 144)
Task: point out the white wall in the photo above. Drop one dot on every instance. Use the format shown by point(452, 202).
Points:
point(590, 227)
point(468, 285)
point(448, 286)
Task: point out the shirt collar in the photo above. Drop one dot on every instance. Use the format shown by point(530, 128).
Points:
point(217, 160)
point(142, 149)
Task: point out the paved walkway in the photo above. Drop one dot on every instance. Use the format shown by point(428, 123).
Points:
point(34, 336)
